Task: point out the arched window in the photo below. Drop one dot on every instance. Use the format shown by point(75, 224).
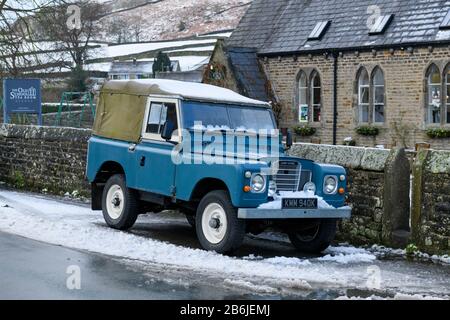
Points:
point(434, 101)
point(447, 86)
point(363, 96)
point(371, 96)
point(316, 97)
point(309, 97)
point(378, 96)
point(303, 97)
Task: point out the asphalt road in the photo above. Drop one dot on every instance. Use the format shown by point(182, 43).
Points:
point(35, 270)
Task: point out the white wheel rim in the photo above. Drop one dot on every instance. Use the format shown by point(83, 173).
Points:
point(115, 202)
point(214, 213)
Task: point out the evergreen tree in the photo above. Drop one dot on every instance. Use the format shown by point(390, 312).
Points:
point(162, 63)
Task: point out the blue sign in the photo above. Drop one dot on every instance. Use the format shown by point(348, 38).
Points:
point(22, 96)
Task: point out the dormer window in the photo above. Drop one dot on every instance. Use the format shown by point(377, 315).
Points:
point(319, 30)
point(446, 22)
point(381, 24)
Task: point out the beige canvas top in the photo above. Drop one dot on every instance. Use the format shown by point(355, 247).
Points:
point(122, 104)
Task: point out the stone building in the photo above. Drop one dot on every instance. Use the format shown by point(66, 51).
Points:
point(375, 71)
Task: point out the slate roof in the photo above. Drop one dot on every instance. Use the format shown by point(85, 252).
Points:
point(283, 26)
point(246, 68)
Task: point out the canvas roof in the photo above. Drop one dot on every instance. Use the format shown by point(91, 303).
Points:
point(185, 90)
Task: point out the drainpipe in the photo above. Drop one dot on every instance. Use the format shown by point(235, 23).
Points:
point(335, 96)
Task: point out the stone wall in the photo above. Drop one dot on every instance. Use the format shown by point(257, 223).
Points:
point(380, 213)
point(39, 158)
point(431, 202)
point(405, 74)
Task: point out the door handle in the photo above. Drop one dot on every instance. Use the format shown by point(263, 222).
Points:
point(142, 162)
point(132, 147)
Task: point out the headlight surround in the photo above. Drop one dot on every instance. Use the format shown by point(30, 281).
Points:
point(330, 185)
point(272, 188)
point(258, 183)
point(310, 187)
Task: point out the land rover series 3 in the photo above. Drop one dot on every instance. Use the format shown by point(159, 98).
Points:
point(212, 154)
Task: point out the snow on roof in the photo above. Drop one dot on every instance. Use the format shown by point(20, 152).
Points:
point(186, 90)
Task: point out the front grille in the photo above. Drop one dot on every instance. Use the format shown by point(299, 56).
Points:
point(305, 177)
point(288, 176)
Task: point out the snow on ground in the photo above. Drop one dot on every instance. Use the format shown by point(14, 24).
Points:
point(76, 226)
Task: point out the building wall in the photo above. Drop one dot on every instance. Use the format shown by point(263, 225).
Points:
point(405, 93)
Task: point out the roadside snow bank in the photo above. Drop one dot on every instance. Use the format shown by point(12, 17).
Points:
point(346, 255)
point(78, 227)
point(398, 296)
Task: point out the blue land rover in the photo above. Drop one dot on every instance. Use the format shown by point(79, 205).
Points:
point(214, 155)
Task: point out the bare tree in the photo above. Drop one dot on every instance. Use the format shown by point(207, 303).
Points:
point(71, 27)
point(118, 29)
point(15, 35)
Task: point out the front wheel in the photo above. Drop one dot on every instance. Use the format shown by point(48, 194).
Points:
point(120, 204)
point(315, 239)
point(217, 224)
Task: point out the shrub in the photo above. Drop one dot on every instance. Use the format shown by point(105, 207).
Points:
point(368, 131)
point(438, 133)
point(305, 131)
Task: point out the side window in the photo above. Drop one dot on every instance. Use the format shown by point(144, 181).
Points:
point(363, 96)
point(309, 97)
point(158, 115)
point(434, 84)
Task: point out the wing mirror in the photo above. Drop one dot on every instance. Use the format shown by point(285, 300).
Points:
point(289, 140)
point(168, 130)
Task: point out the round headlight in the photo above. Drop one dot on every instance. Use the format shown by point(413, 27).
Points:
point(258, 183)
point(310, 187)
point(272, 189)
point(330, 185)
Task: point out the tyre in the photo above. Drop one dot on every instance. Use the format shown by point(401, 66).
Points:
point(120, 204)
point(218, 227)
point(315, 239)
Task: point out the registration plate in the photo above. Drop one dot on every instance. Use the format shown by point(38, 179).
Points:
point(300, 204)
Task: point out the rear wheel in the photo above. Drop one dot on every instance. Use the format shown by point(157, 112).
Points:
point(120, 204)
point(217, 224)
point(315, 239)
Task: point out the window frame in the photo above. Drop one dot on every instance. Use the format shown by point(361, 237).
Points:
point(372, 104)
point(315, 74)
point(446, 95)
point(444, 102)
point(305, 90)
point(361, 104)
point(310, 74)
point(157, 137)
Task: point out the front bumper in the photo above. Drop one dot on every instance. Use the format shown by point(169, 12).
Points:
point(278, 214)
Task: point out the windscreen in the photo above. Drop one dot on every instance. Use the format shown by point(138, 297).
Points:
point(198, 115)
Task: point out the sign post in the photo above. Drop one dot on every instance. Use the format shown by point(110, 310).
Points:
point(22, 96)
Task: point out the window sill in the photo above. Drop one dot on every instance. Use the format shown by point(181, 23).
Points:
point(370, 124)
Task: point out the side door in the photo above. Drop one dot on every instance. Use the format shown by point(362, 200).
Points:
point(156, 171)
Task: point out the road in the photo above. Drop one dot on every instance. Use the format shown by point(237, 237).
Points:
point(160, 259)
point(35, 270)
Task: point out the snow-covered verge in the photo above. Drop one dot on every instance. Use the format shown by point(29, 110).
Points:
point(382, 251)
point(76, 226)
point(398, 296)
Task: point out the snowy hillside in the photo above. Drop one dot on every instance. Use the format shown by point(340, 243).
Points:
point(144, 20)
